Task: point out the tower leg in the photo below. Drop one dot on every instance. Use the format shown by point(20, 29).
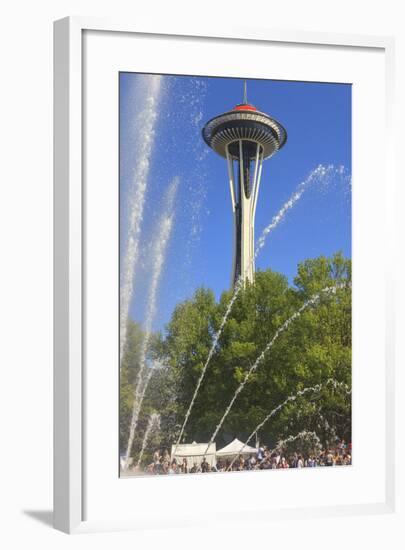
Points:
point(244, 194)
point(246, 227)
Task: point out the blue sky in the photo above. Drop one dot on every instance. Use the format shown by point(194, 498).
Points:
point(317, 117)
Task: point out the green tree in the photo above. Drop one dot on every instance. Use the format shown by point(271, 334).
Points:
point(316, 347)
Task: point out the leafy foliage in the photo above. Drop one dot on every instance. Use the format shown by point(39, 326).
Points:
point(316, 347)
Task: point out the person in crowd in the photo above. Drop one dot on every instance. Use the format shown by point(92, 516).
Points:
point(184, 466)
point(241, 463)
point(251, 462)
point(342, 447)
point(310, 462)
point(156, 456)
point(283, 464)
point(204, 465)
point(166, 455)
point(329, 458)
point(194, 469)
point(221, 466)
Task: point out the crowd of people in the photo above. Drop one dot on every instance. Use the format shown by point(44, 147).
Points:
point(263, 459)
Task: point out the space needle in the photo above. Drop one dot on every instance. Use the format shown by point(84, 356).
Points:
point(245, 137)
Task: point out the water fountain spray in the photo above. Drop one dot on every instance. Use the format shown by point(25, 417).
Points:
point(153, 422)
point(158, 256)
point(319, 175)
point(317, 388)
point(304, 434)
point(145, 125)
point(310, 302)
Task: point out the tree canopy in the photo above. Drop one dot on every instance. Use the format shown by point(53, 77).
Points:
point(315, 348)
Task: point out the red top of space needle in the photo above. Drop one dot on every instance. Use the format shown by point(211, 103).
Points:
point(244, 107)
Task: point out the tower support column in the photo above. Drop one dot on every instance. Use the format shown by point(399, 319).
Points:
point(247, 221)
point(244, 193)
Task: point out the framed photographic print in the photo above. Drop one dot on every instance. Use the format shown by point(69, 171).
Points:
point(218, 204)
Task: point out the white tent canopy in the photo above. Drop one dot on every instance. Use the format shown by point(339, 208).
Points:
point(235, 448)
point(194, 452)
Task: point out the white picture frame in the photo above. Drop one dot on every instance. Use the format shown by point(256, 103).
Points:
point(69, 208)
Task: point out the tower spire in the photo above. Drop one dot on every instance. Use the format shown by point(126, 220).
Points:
point(245, 92)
